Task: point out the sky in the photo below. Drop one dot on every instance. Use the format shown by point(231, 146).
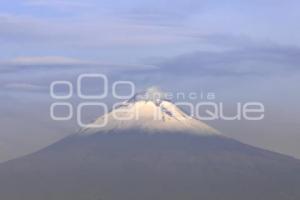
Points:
point(240, 50)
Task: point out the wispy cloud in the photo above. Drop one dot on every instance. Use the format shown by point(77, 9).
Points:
point(64, 63)
point(133, 30)
point(58, 4)
point(24, 86)
point(61, 34)
point(38, 62)
point(46, 60)
point(239, 60)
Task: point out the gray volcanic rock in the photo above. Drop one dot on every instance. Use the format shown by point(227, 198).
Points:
point(174, 157)
point(134, 165)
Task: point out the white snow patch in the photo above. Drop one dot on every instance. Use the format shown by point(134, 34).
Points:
point(153, 115)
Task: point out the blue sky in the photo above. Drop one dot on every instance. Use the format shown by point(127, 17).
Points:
point(242, 50)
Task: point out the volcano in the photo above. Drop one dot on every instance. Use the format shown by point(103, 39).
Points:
point(152, 150)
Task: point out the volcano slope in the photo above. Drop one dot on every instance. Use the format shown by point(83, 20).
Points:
point(173, 158)
point(134, 165)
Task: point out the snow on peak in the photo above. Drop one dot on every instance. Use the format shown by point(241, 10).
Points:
point(153, 94)
point(148, 111)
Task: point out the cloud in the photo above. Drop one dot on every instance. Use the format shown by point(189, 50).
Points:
point(63, 63)
point(162, 13)
point(35, 73)
point(39, 62)
point(132, 30)
point(56, 3)
point(46, 60)
point(244, 61)
point(25, 87)
point(102, 31)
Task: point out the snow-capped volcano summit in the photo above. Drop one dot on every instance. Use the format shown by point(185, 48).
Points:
point(149, 111)
point(154, 94)
point(128, 163)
